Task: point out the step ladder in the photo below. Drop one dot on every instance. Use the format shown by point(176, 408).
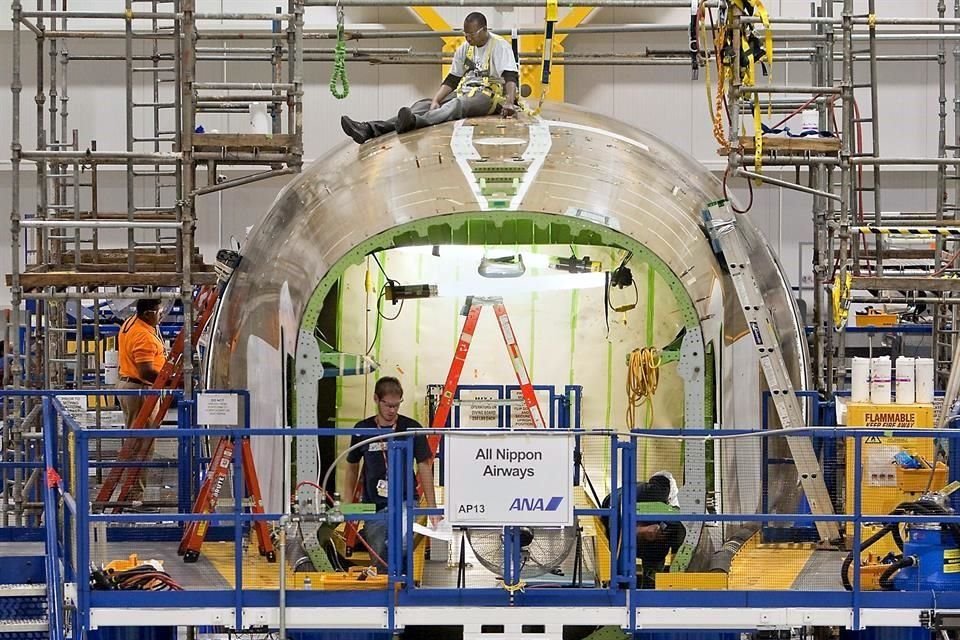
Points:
point(169, 378)
point(471, 309)
point(209, 495)
point(721, 226)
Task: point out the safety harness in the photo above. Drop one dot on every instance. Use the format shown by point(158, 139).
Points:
point(753, 49)
point(477, 78)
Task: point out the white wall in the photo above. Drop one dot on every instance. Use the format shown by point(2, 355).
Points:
point(663, 99)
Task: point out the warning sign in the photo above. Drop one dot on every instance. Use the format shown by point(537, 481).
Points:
point(951, 560)
point(520, 415)
point(478, 409)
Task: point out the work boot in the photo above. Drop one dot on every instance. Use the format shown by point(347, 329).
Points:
point(406, 121)
point(359, 131)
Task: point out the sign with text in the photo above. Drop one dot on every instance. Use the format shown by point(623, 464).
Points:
point(218, 409)
point(509, 479)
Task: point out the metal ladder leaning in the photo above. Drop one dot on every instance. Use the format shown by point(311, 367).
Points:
point(721, 226)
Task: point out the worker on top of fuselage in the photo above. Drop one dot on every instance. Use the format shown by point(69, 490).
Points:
point(482, 81)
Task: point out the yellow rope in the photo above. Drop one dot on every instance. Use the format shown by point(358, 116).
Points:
point(643, 376)
point(512, 588)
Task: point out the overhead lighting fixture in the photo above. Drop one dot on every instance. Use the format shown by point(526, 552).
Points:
point(504, 267)
point(477, 286)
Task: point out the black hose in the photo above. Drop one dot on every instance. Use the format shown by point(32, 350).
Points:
point(721, 560)
point(869, 542)
point(886, 578)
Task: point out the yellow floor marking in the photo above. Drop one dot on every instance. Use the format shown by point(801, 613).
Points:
point(763, 566)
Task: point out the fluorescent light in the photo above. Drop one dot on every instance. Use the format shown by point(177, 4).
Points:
point(510, 266)
point(474, 253)
point(477, 286)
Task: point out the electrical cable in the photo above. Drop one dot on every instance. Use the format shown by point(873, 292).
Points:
point(380, 297)
point(643, 376)
point(726, 194)
point(578, 460)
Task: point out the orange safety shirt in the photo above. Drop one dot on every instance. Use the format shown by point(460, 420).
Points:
point(139, 342)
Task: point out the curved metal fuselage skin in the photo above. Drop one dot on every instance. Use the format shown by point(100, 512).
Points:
point(590, 168)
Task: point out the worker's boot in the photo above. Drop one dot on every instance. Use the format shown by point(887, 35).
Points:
point(359, 131)
point(406, 120)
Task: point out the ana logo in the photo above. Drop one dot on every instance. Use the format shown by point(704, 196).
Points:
point(536, 504)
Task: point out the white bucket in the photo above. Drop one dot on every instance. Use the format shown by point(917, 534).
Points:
point(924, 378)
point(880, 380)
point(111, 373)
point(810, 120)
point(906, 389)
point(860, 380)
point(259, 118)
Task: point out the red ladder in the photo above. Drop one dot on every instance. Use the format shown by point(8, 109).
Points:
point(473, 307)
point(170, 377)
point(209, 495)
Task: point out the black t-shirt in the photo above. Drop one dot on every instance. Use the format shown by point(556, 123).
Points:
point(374, 456)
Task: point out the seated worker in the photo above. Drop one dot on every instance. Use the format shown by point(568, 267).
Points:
point(387, 395)
point(654, 539)
point(482, 81)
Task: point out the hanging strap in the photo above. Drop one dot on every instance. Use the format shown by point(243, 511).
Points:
point(339, 84)
point(551, 17)
point(756, 7)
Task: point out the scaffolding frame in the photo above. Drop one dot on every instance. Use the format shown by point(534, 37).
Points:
point(69, 254)
point(66, 254)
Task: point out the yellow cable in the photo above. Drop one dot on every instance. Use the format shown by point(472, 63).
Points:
point(511, 588)
point(643, 376)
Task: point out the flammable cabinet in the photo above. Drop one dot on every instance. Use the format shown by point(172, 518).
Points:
point(884, 485)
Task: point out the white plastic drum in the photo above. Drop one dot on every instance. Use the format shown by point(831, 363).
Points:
point(924, 377)
point(860, 380)
point(906, 389)
point(880, 380)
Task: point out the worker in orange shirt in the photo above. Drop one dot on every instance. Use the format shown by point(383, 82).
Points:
point(141, 354)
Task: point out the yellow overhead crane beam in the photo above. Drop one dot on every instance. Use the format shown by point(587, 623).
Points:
point(529, 73)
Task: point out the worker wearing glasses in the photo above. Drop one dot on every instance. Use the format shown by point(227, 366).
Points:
point(374, 488)
point(482, 81)
point(141, 354)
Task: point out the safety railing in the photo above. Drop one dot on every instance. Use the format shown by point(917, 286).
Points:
point(592, 563)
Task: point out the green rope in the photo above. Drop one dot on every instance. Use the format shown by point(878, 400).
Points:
point(339, 85)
